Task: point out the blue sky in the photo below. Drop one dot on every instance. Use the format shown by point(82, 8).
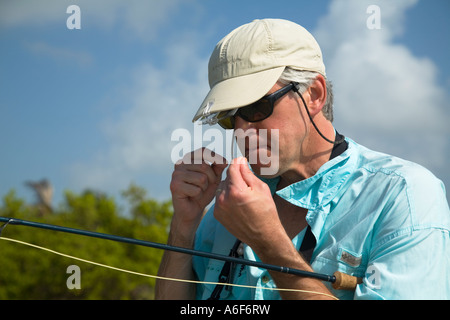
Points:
point(95, 107)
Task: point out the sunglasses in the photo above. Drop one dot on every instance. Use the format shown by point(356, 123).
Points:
point(257, 111)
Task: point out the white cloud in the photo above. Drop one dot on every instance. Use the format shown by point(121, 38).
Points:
point(31, 13)
point(385, 97)
point(136, 18)
point(159, 100)
point(82, 58)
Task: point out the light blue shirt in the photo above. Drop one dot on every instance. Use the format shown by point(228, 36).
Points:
point(373, 215)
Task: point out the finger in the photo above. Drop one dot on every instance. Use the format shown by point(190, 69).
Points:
point(181, 188)
point(218, 169)
point(218, 163)
point(203, 169)
point(190, 190)
point(212, 157)
point(206, 156)
point(247, 175)
point(199, 179)
point(220, 188)
point(195, 157)
point(234, 175)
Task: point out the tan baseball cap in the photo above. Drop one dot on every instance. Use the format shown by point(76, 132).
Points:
point(248, 62)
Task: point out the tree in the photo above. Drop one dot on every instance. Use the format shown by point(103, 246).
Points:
point(28, 273)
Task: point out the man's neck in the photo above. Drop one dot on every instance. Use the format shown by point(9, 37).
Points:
point(315, 153)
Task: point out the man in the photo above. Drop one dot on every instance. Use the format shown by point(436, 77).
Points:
point(332, 205)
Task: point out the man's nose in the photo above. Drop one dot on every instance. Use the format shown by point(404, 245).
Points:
point(240, 123)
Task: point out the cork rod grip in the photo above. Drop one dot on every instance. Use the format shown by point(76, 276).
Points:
point(345, 281)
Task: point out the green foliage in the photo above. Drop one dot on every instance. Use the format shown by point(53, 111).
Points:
point(29, 273)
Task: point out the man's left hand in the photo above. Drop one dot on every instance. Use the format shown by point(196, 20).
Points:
point(244, 205)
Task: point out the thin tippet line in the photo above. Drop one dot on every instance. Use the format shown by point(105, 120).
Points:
point(4, 225)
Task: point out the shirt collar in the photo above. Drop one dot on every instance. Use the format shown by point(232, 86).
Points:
point(318, 190)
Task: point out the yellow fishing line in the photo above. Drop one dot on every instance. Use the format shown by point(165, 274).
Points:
point(157, 277)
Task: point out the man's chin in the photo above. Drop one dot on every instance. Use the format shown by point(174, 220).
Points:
point(265, 171)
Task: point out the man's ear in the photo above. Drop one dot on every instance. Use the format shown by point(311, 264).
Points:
point(318, 95)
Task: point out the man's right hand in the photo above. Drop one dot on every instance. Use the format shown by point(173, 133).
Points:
point(193, 186)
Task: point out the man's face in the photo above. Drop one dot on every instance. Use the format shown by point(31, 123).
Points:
point(282, 146)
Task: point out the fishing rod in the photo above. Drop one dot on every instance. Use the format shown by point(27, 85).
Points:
point(339, 280)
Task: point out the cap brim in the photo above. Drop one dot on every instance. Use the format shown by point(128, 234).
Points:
point(238, 92)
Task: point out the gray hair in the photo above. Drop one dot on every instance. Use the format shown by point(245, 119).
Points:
point(305, 79)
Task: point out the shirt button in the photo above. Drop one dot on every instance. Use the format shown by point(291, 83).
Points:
point(265, 279)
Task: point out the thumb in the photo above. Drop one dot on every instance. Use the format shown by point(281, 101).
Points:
point(218, 168)
point(247, 175)
point(218, 163)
